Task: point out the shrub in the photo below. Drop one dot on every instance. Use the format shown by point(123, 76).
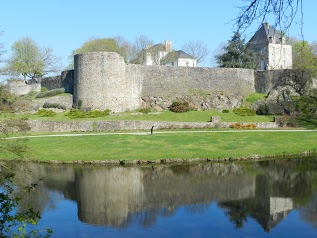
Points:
point(225, 111)
point(179, 106)
point(50, 93)
point(53, 105)
point(145, 110)
point(243, 111)
point(45, 113)
point(242, 126)
point(76, 113)
point(43, 89)
point(263, 110)
point(96, 113)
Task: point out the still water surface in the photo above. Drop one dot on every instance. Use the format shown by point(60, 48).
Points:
point(276, 198)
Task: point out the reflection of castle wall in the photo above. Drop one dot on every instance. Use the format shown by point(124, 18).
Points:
point(106, 196)
point(213, 182)
point(112, 195)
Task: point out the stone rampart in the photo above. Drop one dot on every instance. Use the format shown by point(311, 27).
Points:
point(65, 80)
point(168, 81)
point(265, 81)
point(95, 126)
point(103, 82)
point(65, 100)
point(21, 87)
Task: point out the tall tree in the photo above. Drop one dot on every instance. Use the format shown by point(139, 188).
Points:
point(197, 49)
point(237, 54)
point(305, 57)
point(1, 47)
point(29, 60)
point(100, 45)
point(284, 12)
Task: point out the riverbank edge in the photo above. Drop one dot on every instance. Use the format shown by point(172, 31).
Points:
point(251, 158)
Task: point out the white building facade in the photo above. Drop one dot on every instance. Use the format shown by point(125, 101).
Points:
point(161, 54)
point(270, 48)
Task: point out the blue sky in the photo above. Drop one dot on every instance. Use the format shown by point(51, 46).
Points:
point(65, 25)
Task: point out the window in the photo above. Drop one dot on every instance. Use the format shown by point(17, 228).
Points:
point(284, 53)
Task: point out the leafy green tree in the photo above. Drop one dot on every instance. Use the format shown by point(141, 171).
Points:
point(13, 221)
point(29, 60)
point(14, 218)
point(237, 54)
point(300, 80)
point(100, 45)
point(305, 57)
point(307, 105)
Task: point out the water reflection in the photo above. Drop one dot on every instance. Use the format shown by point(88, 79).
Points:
point(119, 196)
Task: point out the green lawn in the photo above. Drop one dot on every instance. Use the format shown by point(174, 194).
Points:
point(191, 116)
point(217, 144)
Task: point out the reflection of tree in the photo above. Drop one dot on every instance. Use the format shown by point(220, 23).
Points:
point(26, 175)
point(149, 217)
point(308, 211)
point(238, 211)
point(197, 208)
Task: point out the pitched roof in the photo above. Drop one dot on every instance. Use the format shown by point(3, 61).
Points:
point(266, 34)
point(156, 48)
point(179, 54)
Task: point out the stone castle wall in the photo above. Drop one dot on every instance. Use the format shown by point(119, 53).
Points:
point(65, 80)
point(169, 81)
point(265, 81)
point(103, 81)
point(97, 126)
point(21, 87)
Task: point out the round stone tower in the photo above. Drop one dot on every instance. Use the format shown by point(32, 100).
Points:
point(101, 82)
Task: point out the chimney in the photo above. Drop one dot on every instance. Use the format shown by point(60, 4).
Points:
point(168, 46)
point(267, 25)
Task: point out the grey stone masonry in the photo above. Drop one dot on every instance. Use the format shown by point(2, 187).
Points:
point(91, 126)
point(104, 81)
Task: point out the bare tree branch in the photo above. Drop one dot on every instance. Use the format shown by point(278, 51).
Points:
point(198, 49)
point(284, 12)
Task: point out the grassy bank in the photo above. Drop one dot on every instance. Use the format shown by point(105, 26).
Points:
point(179, 144)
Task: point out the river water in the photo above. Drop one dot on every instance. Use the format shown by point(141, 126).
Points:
point(273, 198)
